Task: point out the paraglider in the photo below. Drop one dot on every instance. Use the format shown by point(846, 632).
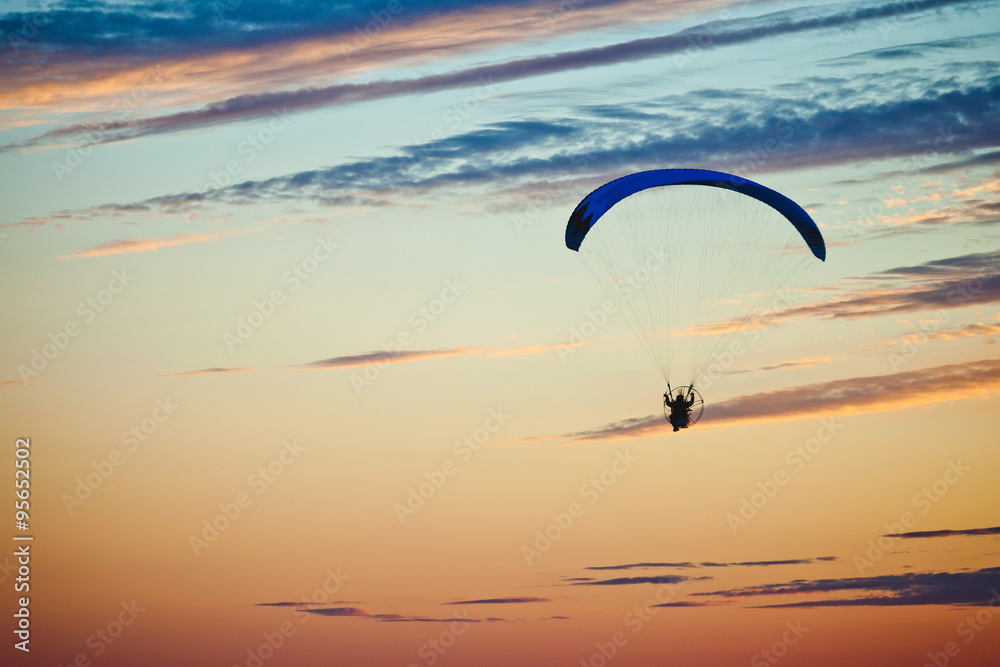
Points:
point(689, 256)
point(682, 406)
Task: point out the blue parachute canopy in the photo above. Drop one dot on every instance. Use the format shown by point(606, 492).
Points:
point(600, 201)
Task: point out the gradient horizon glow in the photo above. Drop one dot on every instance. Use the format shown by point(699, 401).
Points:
point(311, 378)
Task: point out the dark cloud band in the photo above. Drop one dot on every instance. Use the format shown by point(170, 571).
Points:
point(711, 35)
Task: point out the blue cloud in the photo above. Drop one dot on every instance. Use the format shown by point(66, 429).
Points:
point(706, 36)
point(776, 135)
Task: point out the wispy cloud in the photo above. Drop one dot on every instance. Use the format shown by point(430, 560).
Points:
point(507, 600)
point(357, 612)
point(385, 357)
point(798, 363)
point(293, 604)
point(526, 350)
point(688, 564)
point(526, 440)
point(208, 371)
point(504, 157)
point(915, 49)
point(498, 161)
point(948, 533)
point(641, 566)
point(339, 611)
point(962, 266)
point(629, 581)
point(736, 31)
point(771, 563)
point(967, 331)
point(388, 357)
point(946, 294)
point(87, 56)
point(927, 588)
point(874, 393)
point(133, 245)
point(403, 356)
point(944, 284)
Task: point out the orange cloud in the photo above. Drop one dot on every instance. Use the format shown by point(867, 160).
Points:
point(390, 357)
point(527, 440)
point(387, 357)
point(968, 331)
point(125, 246)
point(876, 393)
point(529, 349)
point(798, 363)
point(184, 80)
point(403, 356)
point(208, 371)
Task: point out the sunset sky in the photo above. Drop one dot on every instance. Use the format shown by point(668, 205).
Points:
point(290, 322)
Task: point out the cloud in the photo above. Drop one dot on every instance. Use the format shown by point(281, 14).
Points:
point(526, 440)
point(388, 357)
point(338, 611)
point(381, 358)
point(874, 393)
point(88, 57)
point(502, 159)
point(507, 600)
point(711, 35)
point(960, 209)
point(942, 295)
point(980, 160)
point(208, 371)
point(392, 618)
point(526, 350)
point(967, 331)
point(947, 533)
point(814, 123)
point(914, 50)
point(770, 563)
point(798, 363)
point(688, 564)
point(628, 581)
point(403, 356)
point(639, 566)
point(972, 588)
point(687, 603)
point(289, 604)
point(133, 245)
point(954, 282)
point(960, 267)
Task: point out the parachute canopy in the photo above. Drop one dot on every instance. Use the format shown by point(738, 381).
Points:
point(691, 258)
point(600, 201)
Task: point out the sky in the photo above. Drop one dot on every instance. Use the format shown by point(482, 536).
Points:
point(305, 374)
